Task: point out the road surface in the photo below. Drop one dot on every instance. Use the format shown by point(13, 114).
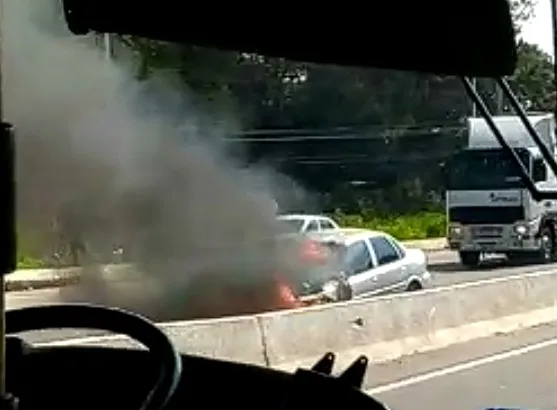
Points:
point(447, 270)
point(443, 264)
point(513, 371)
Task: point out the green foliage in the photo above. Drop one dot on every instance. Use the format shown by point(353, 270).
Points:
point(264, 92)
point(533, 78)
point(28, 262)
point(422, 225)
point(28, 256)
point(522, 11)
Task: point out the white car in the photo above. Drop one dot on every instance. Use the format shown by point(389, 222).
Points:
point(305, 223)
point(373, 263)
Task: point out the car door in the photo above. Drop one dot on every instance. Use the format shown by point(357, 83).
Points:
point(390, 270)
point(358, 264)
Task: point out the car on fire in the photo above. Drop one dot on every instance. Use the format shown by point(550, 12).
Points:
point(368, 263)
point(323, 267)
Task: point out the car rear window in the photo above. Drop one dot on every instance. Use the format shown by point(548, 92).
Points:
point(290, 225)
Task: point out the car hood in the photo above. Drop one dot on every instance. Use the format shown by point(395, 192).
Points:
point(311, 280)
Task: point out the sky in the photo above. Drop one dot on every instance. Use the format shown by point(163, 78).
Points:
point(538, 29)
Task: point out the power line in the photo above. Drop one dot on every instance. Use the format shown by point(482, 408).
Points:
point(284, 138)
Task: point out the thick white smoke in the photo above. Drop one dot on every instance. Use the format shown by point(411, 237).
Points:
point(150, 182)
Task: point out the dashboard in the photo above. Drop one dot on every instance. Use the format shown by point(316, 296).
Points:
point(102, 378)
point(78, 377)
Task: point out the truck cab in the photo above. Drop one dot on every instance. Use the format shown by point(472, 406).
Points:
point(488, 207)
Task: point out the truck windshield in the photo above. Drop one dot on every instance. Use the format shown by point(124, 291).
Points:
point(485, 169)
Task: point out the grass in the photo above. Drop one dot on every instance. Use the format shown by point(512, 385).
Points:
point(27, 245)
point(423, 225)
point(27, 262)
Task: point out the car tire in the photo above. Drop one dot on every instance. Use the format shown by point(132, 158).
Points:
point(414, 286)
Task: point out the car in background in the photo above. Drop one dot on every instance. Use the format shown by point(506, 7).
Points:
point(304, 223)
point(370, 263)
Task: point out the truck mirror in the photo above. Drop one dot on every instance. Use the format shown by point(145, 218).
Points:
point(539, 170)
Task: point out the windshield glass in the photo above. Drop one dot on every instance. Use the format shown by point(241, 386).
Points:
point(481, 169)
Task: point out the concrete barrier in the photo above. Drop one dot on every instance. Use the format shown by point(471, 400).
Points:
point(235, 338)
point(383, 328)
point(389, 327)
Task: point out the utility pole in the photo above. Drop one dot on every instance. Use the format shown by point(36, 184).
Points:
point(474, 108)
point(104, 42)
point(107, 46)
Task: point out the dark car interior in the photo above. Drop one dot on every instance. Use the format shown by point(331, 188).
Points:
point(471, 39)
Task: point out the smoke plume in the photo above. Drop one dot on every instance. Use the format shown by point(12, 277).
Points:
point(132, 171)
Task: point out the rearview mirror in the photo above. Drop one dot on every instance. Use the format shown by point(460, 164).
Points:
point(539, 170)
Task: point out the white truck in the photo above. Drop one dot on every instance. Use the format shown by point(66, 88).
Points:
point(488, 207)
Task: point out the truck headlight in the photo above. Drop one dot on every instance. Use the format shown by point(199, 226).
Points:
point(521, 229)
point(455, 231)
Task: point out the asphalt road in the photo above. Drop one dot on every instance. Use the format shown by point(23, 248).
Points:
point(447, 270)
point(443, 264)
point(506, 371)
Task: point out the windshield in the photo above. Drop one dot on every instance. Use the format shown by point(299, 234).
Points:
point(150, 175)
point(480, 169)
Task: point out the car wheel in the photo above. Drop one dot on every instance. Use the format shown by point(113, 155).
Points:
point(414, 286)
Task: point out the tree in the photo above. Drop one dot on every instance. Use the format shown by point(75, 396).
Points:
point(533, 80)
point(275, 93)
point(522, 11)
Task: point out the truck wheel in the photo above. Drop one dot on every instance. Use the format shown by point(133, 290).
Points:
point(518, 257)
point(469, 259)
point(547, 248)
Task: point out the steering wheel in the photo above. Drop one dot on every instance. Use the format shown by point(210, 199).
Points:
point(85, 316)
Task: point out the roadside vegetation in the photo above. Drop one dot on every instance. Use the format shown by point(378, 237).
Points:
point(421, 225)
